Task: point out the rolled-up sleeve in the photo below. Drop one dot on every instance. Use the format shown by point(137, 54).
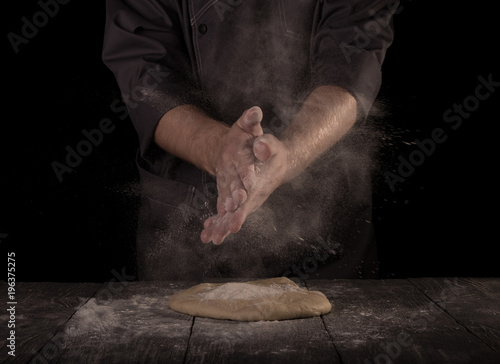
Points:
point(144, 45)
point(349, 43)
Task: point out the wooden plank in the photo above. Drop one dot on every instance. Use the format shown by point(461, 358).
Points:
point(473, 302)
point(386, 321)
point(41, 309)
point(372, 322)
point(134, 325)
point(226, 341)
point(288, 341)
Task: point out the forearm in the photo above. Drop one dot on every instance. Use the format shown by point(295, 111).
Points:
point(327, 114)
point(189, 134)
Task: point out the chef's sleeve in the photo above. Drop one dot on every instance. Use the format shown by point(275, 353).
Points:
point(349, 42)
point(144, 46)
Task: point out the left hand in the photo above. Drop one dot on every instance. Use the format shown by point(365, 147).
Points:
point(235, 169)
point(272, 169)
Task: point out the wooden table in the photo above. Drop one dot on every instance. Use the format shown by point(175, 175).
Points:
point(424, 320)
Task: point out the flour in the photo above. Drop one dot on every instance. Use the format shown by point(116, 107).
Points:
point(247, 291)
point(268, 299)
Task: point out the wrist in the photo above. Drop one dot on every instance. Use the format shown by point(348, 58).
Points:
point(190, 134)
point(294, 164)
point(215, 137)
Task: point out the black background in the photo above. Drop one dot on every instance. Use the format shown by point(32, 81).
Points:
point(441, 221)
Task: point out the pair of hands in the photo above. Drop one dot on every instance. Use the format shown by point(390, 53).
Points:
point(250, 166)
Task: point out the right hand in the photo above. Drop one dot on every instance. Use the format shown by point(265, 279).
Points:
point(273, 169)
point(235, 169)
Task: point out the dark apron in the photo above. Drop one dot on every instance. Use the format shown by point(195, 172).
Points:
point(318, 226)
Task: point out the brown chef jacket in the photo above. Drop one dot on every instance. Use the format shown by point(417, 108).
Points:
point(226, 56)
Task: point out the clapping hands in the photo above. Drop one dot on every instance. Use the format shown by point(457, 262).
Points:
point(251, 165)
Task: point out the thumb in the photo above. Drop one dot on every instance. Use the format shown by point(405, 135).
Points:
point(265, 147)
point(250, 121)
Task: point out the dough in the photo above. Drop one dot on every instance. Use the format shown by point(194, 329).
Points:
point(267, 299)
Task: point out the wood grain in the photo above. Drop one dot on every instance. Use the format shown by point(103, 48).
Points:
point(134, 325)
point(41, 309)
point(472, 302)
point(422, 320)
point(289, 341)
point(393, 321)
point(225, 341)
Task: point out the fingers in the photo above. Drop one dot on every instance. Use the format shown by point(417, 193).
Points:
point(236, 176)
point(250, 120)
point(216, 229)
point(219, 231)
point(238, 162)
point(237, 220)
point(265, 146)
point(225, 176)
point(232, 191)
point(206, 234)
point(246, 168)
point(238, 194)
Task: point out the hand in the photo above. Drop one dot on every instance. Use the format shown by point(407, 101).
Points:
point(271, 170)
point(235, 169)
